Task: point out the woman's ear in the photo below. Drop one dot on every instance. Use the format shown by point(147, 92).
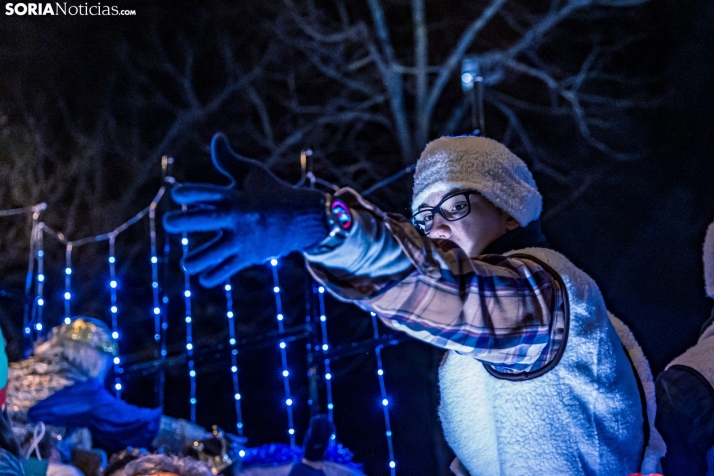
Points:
point(511, 223)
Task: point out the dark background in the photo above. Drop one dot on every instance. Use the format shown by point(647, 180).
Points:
point(88, 106)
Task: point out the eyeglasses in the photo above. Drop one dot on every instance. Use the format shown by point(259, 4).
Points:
point(453, 207)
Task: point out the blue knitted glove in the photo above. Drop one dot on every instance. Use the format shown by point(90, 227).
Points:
point(258, 216)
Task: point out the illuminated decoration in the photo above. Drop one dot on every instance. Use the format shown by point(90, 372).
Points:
point(189, 329)
point(385, 399)
point(39, 304)
point(67, 283)
point(283, 352)
point(325, 348)
point(114, 311)
point(234, 355)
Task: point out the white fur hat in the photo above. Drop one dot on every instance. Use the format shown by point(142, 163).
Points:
point(709, 261)
point(481, 164)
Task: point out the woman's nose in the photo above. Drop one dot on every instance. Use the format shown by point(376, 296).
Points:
point(440, 228)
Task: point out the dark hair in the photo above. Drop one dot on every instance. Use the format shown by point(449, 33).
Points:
point(121, 459)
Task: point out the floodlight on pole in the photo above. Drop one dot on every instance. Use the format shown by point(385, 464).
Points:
point(470, 77)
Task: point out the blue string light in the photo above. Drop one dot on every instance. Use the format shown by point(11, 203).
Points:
point(189, 330)
point(325, 348)
point(67, 283)
point(385, 400)
point(114, 311)
point(156, 309)
point(283, 352)
point(234, 355)
point(37, 323)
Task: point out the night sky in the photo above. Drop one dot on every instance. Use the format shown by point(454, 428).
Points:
point(84, 120)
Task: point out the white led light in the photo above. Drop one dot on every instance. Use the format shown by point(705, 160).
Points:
point(228, 287)
point(392, 464)
point(27, 330)
point(325, 347)
point(285, 373)
point(385, 402)
point(40, 277)
point(40, 302)
point(273, 262)
point(276, 289)
point(330, 406)
point(115, 335)
point(234, 369)
point(188, 319)
point(117, 360)
point(389, 433)
point(113, 284)
point(237, 396)
point(157, 337)
point(241, 453)
point(189, 346)
point(114, 309)
point(112, 260)
point(321, 289)
point(323, 318)
point(289, 401)
point(229, 314)
point(328, 376)
point(154, 259)
point(280, 317)
point(117, 386)
point(192, 373)
point(38, 326)
point(283, 345)
point(68, 271)
point(372, 314)
point(67, 320)
point(40, 253)
point(67, 296)
point(193, 401)
point(155, 285)
point(184, 241)
point(157, 310)
point(291, 431)
point(232, 342)
point(187, 293)
point(380, 372)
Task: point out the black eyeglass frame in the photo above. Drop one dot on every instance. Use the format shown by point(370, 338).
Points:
point(437, 209)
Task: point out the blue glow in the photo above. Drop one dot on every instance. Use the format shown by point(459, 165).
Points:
point(155, 285)
point(157, 337)
point(38, 326)
point(385, 402)
point(40, 253)
point(193, 401)
point(27, 330)
point(330, 406)
point(389, 433)
point(117, 360)
point(241, 453)
point(112, 260)
point(163, 352)
point(232, 342)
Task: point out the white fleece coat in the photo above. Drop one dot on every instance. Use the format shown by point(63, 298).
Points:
point(582, 417)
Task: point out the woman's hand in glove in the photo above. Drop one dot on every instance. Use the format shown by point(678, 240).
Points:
point(257, 216)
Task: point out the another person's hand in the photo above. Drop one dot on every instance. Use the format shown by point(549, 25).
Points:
point(257, 216)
